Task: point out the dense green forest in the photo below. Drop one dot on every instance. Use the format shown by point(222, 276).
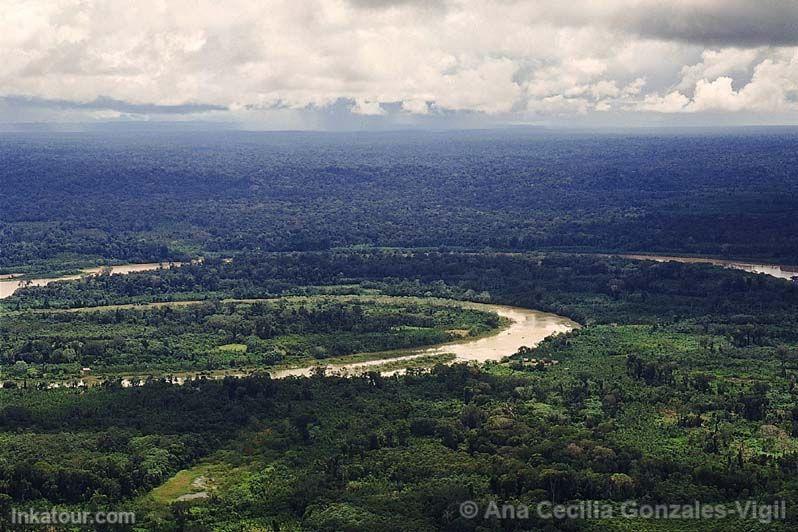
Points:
point(310, 250)
point(217, 335)
point(588, 288)
point(680, 387)
point(82, 198)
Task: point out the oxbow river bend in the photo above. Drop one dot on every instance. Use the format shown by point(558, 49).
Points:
point(526, 328)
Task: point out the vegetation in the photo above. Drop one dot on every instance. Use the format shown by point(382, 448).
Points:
point(218, 335)
point(161, 196)
point(680, 385)
point(680, 388)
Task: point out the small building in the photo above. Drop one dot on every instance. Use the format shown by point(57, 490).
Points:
point(539, 363)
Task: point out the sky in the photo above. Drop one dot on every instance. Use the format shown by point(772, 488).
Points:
point(361, 64)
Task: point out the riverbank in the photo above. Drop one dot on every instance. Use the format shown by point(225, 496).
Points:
point(518, 327)
point(10, 283)
point(775, 270)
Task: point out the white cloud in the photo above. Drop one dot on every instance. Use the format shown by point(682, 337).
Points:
point(717, 63)
point(487, 87)
point(770, 89)
point(673, 102)
point(604, 88)
point(716, 95)
point(559, 105)
point(634, 87)
point(367, 108)
point(495, 57)
point(417, 107)
point(603, 106)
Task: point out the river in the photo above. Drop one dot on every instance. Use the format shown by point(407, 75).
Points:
point(527, 328)
point(10, 283)
point(775, 270)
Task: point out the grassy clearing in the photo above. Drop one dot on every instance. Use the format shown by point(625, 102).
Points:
point(234, 348)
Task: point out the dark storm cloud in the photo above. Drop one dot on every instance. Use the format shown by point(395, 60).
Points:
point(110, 104)
point(740, 23)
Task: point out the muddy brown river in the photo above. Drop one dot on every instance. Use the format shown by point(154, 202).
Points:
point(776, 270)
point(527, 328)
point(10, 283)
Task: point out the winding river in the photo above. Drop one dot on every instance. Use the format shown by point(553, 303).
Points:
point(776, 270)
point(527, 328)
point(10, 283)
point(530, 327)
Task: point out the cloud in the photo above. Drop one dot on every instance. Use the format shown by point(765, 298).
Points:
point(634, 87)
point(739, 23)
point(717, 95)
point(673, 102)
point(417, 107)
point(487, 86)
point(385, 4)
point(404, 58)
point(112, 106)
point(559, 105)
point(367, 108)
point(771, 88)
point(716, 63)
